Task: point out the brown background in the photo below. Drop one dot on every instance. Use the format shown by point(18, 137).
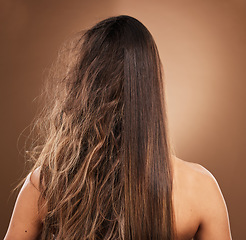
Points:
point(202, 46)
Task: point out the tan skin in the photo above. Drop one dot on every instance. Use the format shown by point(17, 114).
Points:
point(199, 206)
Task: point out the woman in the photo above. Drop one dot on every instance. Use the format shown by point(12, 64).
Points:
point(105, 169)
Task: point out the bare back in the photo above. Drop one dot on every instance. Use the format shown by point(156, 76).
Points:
point(199, 206)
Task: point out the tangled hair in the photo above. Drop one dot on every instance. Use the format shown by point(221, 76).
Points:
point(105, 158)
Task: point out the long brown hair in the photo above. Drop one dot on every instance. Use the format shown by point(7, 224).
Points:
point(105, 158)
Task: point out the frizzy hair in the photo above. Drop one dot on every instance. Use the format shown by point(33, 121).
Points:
point(104, 153)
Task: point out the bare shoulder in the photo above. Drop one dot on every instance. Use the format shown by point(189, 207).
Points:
point(26, 220)
point(197, 180)
point(203, 196)
point(194, 174)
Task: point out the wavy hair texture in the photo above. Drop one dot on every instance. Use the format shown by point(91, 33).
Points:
point(104, 154)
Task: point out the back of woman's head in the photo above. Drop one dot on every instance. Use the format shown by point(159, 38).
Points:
point(105, 156)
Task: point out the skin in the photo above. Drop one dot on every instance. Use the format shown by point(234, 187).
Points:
point(199, 206)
